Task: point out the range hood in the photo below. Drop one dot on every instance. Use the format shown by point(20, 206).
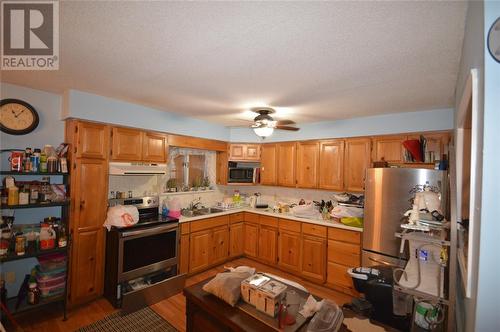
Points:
point(116, 168)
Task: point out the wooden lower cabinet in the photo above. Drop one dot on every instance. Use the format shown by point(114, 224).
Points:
point(313, 258)
point(220, 245)
point(236, 240)
point(268, 245)
point(199, 250)
point(289, 249)
point(87, 266)
point(251, 232)
point(184, 254)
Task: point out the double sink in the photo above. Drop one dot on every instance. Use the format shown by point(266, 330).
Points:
point(200, 212)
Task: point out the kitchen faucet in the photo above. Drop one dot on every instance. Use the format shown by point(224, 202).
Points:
point(195, 203)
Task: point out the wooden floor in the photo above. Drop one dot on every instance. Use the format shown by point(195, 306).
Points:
point(172, 309)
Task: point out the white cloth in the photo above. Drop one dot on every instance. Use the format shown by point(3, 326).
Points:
point(121, 216)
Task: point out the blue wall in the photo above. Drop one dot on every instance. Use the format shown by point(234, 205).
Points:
point(89, 106)
point(488, 290)
point(441, 119)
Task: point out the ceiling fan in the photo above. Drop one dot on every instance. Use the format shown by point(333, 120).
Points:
point(264, 124)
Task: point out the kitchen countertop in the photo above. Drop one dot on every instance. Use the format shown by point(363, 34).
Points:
point(265, 212)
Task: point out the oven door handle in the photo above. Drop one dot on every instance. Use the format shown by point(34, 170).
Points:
point(146, 231)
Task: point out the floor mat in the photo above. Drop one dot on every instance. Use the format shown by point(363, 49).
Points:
point(145, 319)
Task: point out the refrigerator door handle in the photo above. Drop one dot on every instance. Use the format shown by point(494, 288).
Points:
point(380, 261)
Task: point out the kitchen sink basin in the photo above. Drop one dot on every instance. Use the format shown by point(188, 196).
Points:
point(200, 212)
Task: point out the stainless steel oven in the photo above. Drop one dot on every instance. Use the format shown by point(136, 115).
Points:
point(142, 260)
point(145, 250)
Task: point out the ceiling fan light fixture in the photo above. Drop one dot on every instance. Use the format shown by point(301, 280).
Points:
point(263, 131)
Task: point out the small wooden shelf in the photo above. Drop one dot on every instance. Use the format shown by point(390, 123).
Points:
point(36, 205)
point(25, 307)
point(32, 173)
point(11, 256)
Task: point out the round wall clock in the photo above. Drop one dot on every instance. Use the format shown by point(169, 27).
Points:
point(17, 117)
point(494, 40)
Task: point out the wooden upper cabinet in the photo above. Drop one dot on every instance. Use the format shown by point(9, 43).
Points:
point(222, 167)
point(92, 140)
point(154, 147)
point(245, 152)
point(307, 164)
point(331, 165)
point(127, 144)
point(268, 164)
point(389, 148)
point(287, 153)
point(289, 249)
point(356, 161)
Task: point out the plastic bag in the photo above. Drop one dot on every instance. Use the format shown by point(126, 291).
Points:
point(121, 216)
point(341, 211)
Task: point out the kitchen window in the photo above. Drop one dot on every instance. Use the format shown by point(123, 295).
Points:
point(191, 166)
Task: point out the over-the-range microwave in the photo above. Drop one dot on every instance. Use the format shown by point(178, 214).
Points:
point(242, 173)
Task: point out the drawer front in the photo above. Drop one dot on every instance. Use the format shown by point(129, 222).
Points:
point(268, 221)
point(344, 235)
point(236, 217)
point(313, 229)
point(337, 275)
point(251, 217)
point(289, 225)
point(185, 228)
point(200, 225)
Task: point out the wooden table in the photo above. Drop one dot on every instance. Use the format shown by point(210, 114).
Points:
point(206, 312)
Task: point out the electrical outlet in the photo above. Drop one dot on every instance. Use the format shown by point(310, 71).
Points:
point(10, 277)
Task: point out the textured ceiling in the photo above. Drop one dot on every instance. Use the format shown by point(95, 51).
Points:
point(213, 60)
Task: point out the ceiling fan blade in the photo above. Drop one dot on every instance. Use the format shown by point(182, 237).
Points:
point(284, 122)
point(287, 128)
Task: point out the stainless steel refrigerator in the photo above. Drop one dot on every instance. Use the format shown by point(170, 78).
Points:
point(387, 197)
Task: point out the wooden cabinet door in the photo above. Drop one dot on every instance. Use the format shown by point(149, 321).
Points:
point(222, 167)
point(92, 140)
point(251, 232)
point(200, 245)
point(331, 165)
point(268, 244)
point(287, 153)
point(314, 258)
point(154, 147)
point(289, 249)
point(307, 164)
point(388, 148)
point(184, 254)
point(220, 244)
point(268, 164)
point(356, 161)
point(87, 266)
point(90, 192)
point(126, 144)
point(236, 239)
point(252, 152)
point(236, 151)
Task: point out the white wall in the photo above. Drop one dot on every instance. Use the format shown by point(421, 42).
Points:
point(440, 119)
